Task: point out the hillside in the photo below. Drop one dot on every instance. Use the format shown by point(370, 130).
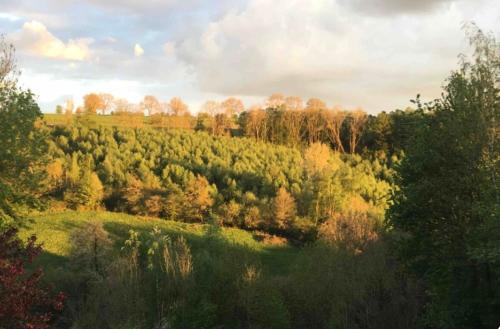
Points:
point(54, 231)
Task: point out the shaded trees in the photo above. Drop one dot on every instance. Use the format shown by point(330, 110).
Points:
point(446, 209)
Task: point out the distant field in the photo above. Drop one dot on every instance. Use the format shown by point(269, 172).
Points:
point(129, 121)
point(54, 231)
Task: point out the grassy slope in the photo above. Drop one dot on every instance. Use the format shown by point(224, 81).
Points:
point(54, 231)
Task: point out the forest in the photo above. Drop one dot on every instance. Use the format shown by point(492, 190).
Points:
point(120, 215)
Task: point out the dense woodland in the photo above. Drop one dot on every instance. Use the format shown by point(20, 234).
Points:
point(392, 218)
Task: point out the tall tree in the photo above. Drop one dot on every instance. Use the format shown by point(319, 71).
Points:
point(232, 106)
point(22, 146)
point(447, 206)
point(92, 103)
point(356, 123)
point(8, 73)
point(178, 107)
point(333, 127)
point(107, 102)
point(294, 103)
point(284, 208)
point(150, 104)
point(275, 101)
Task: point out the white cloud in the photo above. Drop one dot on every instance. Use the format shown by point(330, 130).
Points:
point(325, 49)
point(138, 51)
point(36, 39)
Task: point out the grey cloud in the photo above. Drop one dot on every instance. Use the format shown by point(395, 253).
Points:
point(391, 7)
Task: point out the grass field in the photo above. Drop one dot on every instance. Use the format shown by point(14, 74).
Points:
point(54, 231)
point(123, 121)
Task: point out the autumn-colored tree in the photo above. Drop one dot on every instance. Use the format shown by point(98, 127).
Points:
point(222, 124)
point(356, 122)
point(232, 106)
point(55, 176)
point(294, 103)
point(275, 101)
point(107, 102)
point(255, 125)
point(24, 304)
point(86, 192)
point(316, 158)
point(211, 107)
point(69, 106)
point(293, 121)
point(122, 105)
point(199, 199)
point(178, 107)
point(333, 127)
point(92, 103)
point(315, 104)
point(284, 208)
point(150, 104)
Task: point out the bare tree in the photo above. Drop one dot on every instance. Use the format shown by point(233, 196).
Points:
point(8, 70)
point(315, 104)
point(122, 105)
point(256, 125)
point(357, 120)
point(178, 107)
point(232, 106)
point(333, 125)
point(275, 100)
point(107, 102)
point(150, 104)
point(294, 103)
point(211, 107)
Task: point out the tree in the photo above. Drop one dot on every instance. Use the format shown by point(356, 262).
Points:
point(255, 124)
point(211, 107)
point(446, 211)
point(284, 208)
point(150, 104)
point(69, 106)
point(22, 143)
point(107, 102)
point(316, 158)
point(199, 199)
point(333, 127)
point(88, 191)
point(59, 109)
point(24, 304)
point(315, 104)
point(122, 105)
point(356, 122)
point(92, 102)
point(294, 103)
point(91, 248)
point(8, 73)
point(232, 106)
point(178, 107)
point(313, 119)
point(275, 101)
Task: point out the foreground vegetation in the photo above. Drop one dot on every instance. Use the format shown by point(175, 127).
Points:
point(121, 271)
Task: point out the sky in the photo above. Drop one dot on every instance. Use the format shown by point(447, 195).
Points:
point(373, 54)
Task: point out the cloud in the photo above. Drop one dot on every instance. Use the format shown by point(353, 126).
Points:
point(138, 51)
point(325, 49)
point(169, 48)
point(391, 7)
point(37, 40)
